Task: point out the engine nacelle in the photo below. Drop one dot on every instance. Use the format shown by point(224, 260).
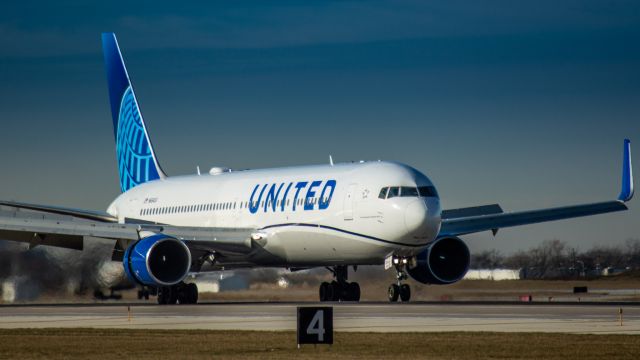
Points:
point(444, 262)
point(157, 260)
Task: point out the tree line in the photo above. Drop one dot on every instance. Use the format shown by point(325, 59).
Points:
point(555, 259)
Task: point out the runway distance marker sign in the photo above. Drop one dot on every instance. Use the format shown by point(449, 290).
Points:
point(315, 325)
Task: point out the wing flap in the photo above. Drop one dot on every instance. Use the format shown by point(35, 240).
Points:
point(83, 214)
point(69, 232)
point(34, 239)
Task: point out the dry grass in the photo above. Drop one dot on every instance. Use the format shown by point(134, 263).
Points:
point(102, 344)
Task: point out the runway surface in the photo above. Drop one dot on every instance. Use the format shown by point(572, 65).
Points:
point(375, 317)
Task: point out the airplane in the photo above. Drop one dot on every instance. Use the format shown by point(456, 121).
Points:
point(333, 216)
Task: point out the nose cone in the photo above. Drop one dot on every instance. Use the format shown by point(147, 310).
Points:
point(416, 218)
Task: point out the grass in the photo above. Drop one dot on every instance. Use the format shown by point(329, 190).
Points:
point(192, 344)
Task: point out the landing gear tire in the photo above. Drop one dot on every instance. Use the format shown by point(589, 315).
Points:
point(181, 293)
point(393, 292)
point(164, 295)
point(400, 290)
point(339, 289)
point(143, 294)
point(405, 292)
point(173, 295)
point(353, 292)
point(187, 293)
point(336, 291)
point(192, 291)
point(324, 292)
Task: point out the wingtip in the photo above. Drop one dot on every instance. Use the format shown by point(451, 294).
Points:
point(626, 193)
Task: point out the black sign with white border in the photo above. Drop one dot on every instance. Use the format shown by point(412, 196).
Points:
point(315, 325)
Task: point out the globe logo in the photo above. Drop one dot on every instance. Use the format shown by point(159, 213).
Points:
point(135, 160)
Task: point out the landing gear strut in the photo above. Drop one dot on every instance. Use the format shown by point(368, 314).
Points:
point(340, 289)
point(400, 290)
point(180, 293)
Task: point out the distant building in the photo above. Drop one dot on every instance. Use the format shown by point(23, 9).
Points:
point(608, 271)
point(222, 282)
point(493, 274)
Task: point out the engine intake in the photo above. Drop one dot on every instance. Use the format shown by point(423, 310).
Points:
point(444, 262)
point(157, 260)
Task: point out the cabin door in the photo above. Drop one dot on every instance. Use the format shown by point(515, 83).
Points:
point(348, 202)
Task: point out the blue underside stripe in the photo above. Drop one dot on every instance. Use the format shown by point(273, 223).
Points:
point(344, 231)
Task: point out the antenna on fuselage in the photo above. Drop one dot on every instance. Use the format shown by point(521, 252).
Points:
point(198, 169)
point(330, 160)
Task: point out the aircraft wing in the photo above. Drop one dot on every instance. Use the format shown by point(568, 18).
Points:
point(454, 226)
point(83, 214)
point(41, 227)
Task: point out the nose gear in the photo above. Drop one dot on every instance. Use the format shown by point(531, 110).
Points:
point(400, 290)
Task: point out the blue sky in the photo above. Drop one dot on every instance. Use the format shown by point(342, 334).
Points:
point(525, 105)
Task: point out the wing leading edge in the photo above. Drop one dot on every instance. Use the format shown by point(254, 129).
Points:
point(41, 227)
point(473, 224)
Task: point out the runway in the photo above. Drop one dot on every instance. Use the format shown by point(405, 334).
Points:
point(363, 317)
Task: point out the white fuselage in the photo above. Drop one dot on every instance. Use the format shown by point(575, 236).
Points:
point(306, 216)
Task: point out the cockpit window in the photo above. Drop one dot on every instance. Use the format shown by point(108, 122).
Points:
point(383, 193)
point(407, 191)
point(393, 192)
point(427, 191)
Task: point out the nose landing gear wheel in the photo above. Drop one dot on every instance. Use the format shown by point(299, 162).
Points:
point(394, 292)
point(405, 292)
point(400, 290)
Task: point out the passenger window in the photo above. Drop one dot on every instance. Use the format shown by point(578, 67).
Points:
point(393, 192)
point(383, 193)
point(407, 191)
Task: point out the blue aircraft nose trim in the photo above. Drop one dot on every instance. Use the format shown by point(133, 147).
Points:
point(627, 174)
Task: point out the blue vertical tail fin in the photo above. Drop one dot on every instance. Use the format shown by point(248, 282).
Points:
point(137, 162)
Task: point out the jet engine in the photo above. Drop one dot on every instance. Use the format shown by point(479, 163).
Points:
point(444, 262)
point(157, 260)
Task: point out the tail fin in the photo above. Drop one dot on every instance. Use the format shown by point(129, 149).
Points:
point(137, 162)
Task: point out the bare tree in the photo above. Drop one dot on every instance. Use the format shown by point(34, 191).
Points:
point(487, 259)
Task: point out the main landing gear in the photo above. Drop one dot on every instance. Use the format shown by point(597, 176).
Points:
point(180, 293)
point(400, 290)
point(339, 289)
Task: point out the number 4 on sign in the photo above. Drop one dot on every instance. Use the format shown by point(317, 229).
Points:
point(316, 326)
